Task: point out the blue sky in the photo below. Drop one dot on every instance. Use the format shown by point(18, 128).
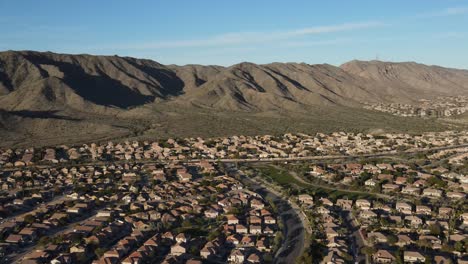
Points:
point(229, 32)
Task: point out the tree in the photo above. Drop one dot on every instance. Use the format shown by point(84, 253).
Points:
point(214, 234)
point(425, 244)
point(194, 250)
point(368, 250)
point(428, 259)
point(100, 251)
point(437, 182)
point(29, 219)
point(81, 258)
point(459, 246)
point(43, 241)
point(399, 256)
point(435, 229)
point(268, 258)
point(392, 239)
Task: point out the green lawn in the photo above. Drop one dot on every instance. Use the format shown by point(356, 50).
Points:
point(281, 177)
point(284, 179)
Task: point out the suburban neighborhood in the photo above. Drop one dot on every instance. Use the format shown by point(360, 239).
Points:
point(389, 198)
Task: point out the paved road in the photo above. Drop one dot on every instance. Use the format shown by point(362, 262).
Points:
point(55, 232)
point(332, 188)
point(325, 157)
point(377, 154)
point(56, 200)
point(294, 228)
point(357, 239)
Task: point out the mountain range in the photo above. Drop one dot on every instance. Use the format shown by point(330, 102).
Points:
point(60, 97)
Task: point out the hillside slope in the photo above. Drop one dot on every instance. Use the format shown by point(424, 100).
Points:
point(58, 97)
point(409, 79)
point(282, 86)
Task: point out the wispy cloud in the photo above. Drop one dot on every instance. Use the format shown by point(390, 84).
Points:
point(251, 37)
point(454, 11)
point(450, 35)
point(312, 43)
point(290, 36)
point(450, 11)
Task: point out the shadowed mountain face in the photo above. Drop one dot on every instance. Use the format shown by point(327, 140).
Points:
point(99, 93)
point(37, 81)
point(106, 81)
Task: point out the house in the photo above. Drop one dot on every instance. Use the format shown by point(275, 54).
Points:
point(420, 183)
point(241, 229)
point(383, 256)
point(331, 233)
point(247, 241)
point(255, 229)
point(232, 220)
point(257, 204)
point(413, 257)
point(442, 260)
point(445, 212)
point(253, 219)
point(414, 220)
point(184, 176)
point(377, 237)
point(262, 245)
point(384, 166)
point(370, 182)
point(178, 249)
point(404, 208)
point(345, 204)
point(105, 213)
point(367, 214)
point(423, 210)
point(456, 195)
point(403, 240)
point(317, 171)
point(193, 261)
point(269, 220)
point(400, 180)
point(411, 190)
point(253, 258)
point(323, 210)
point(387, 177)
point(395, 219)
point(436, 242)
point(211, 213)
point(233, 239)
point(305, 199)
point(28, 233)
point(326, 201)
point(208, 250)
point(236, 256)
point(15, 239)
point(428, 192)
point(336, 243)
point(363, 204)
point(181, 238)
point(388, 187)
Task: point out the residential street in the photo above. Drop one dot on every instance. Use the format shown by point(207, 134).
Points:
point(294, 227)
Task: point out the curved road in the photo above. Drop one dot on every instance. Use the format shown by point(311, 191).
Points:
point(294, 230)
